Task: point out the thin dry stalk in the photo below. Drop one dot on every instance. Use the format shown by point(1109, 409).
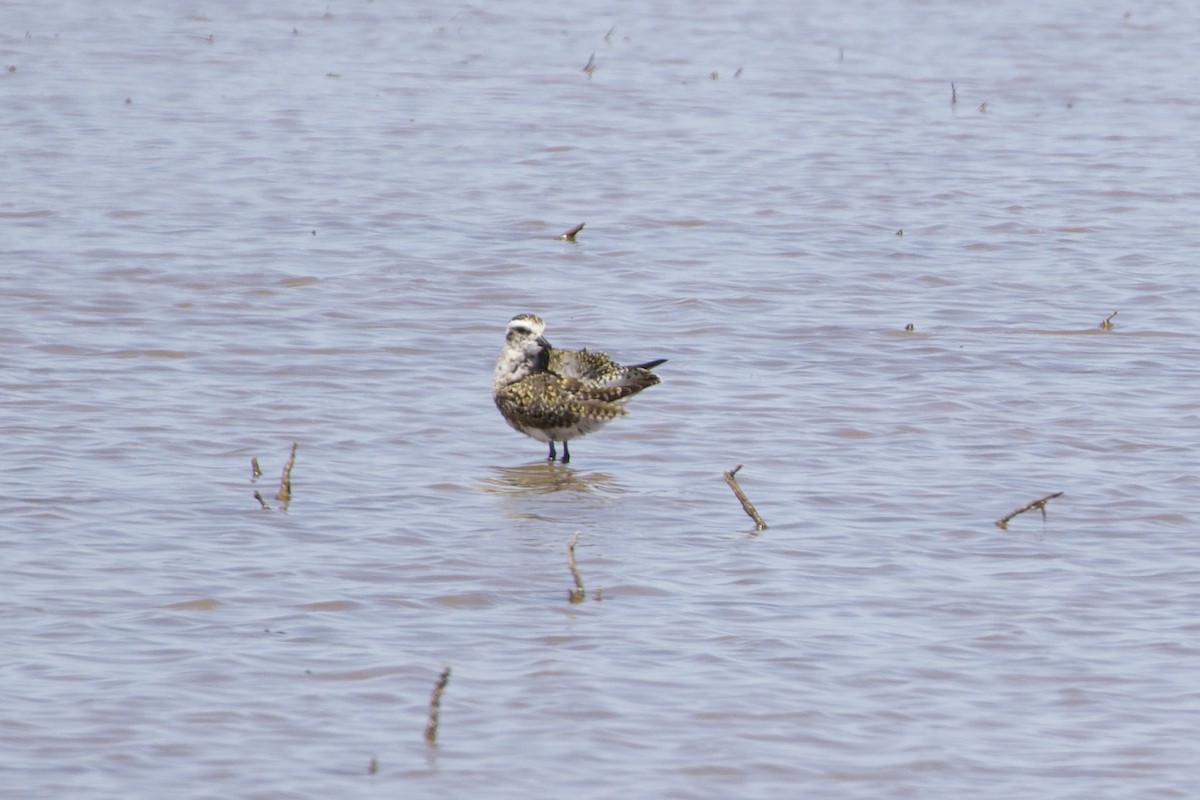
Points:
point(569, 236)
point(1039, 504)
point(747, 506)
point(435, 708)
point(255, 470)
point(261, 502)
point(1107, 324)
point(577, 594)
point(285, 481)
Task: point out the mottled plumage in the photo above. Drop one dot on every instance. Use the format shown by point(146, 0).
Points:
point(557, 395)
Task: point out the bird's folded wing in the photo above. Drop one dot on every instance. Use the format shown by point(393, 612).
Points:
point(547, 400)
point(585, 365)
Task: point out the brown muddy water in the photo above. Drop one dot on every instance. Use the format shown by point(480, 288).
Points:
point(227, 228)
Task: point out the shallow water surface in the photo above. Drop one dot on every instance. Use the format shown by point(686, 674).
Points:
point(228, 230)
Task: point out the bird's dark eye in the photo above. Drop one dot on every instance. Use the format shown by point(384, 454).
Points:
point(520, 330)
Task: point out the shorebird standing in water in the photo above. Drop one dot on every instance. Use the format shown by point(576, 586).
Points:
point(557, 395)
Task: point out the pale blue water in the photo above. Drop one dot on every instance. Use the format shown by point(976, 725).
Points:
point(314, 228)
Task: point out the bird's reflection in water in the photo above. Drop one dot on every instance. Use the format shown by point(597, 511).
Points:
point(547, 478)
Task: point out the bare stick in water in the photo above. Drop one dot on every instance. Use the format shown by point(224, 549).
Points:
point(435, 708)
point(577, 594)
point(261, 502)
point(1107, 324)
point(569, 236)
point(255, 470)
point(1039, 504)
point(747, 506)
point(285, 481)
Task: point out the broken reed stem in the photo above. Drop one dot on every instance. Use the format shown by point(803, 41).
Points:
point(747, 506)
point(255, 470)
point(261, 502)
point(577, 594)
point(285, 480)
point(435, 708)
point(1107, 324)
point(1039, 504)
point(569, 236)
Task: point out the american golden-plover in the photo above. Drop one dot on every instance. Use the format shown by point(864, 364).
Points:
point(557, 395)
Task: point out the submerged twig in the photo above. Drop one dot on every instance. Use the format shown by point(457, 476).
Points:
point(1107, 323)
point(577, 594)
point(285, 480)
point(261, 502)
point(435, 708)
point(569, 236)
point(747, 506)
point(1039, 504)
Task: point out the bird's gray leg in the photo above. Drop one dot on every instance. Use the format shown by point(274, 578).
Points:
point(553, 455)
point(566, 454)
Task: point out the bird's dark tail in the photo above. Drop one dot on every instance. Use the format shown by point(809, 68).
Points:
point(649, 364)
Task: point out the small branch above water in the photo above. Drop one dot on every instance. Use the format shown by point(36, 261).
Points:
point(435, 708)
point(569, 236)
point(578, 593)
point(1039, 504)
point(285, 480)
point(747, 506)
